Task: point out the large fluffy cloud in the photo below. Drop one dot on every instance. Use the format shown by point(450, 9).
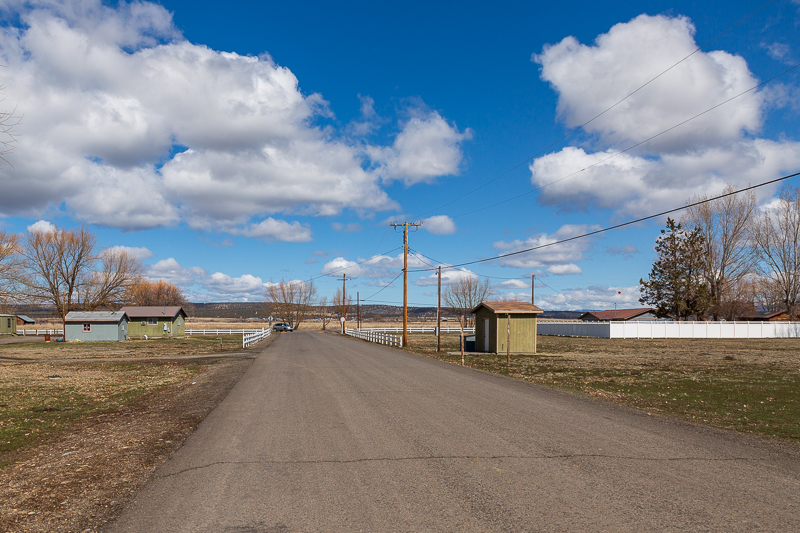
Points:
point(128, 125)
point(558, 259)
point(700, 156)
point(377, 266)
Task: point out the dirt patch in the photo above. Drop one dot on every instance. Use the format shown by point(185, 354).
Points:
point(80, 479)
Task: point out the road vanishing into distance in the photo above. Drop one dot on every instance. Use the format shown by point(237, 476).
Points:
point(331, 434)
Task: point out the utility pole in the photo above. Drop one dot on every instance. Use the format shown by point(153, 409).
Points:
point(439, 316)
point(358, 310)
point(533, 285)
point(405, 226)
point(344, 303)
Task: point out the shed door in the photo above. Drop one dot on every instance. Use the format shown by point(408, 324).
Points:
point(485, 334)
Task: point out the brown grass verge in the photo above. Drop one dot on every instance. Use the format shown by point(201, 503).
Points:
point(746, 385)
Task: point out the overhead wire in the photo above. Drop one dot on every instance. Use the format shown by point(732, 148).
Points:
point(616, 226)
point(351, 266)
point(628, 149)
point(582, 126)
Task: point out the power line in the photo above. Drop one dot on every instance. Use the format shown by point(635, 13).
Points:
point(617, 226)
point(384, 287)
point(582, 126)
point(628, 149)
point(351, 266)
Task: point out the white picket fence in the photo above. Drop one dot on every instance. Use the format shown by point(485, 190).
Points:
point(249, 339)
point(672, 330)
point(25, 332)
point(375, 336)
point(222, 331)
point(419, 330)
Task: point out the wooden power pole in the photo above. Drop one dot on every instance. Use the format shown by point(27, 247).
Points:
point(439, 315)
point(344, 303)
point(533, 285)
point(405, 226)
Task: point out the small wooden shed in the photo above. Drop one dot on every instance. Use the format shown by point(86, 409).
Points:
point(8, 324)
point(156, 321)
point(23, 320)
point(96, 326)
point(778, 316)
point(498, 322)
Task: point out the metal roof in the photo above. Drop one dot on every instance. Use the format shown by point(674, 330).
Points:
point(509, 307)
point(95, 316)
point(150, 311)
point(619, 314)
point(26, 319)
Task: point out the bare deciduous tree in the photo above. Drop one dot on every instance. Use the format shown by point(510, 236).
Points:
point(324, 312)
point(462, 296)
point(766, 294)
point(57, 262)
point(11, 272)
point(727, 255)
point(108, 285)
point(341, 308)
point(145, 292)
point(776, 237)
point(293, 300)
point(62, 269)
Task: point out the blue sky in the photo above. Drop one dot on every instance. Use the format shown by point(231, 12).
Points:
point(233, 146)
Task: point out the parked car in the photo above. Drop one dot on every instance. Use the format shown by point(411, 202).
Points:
point(282, 326)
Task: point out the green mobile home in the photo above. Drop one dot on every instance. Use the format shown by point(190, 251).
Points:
point(497, 323)
point(156, 321)
point(8, 324)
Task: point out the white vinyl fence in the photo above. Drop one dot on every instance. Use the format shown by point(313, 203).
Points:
point(375, 336)
point(447, 329)
point(249, 339)
point(222, 331)
point(24, 332)
point(672, 330)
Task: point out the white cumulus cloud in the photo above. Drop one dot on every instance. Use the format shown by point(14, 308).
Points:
point(129, 125)
point(439, 225)
point(699, 157)
point(557, 259)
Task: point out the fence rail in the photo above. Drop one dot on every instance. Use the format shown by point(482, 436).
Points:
point(672, 330)
point(249, 339)
point(375, 336)
point(418, 330)
point(222, 331)
point(25, 332)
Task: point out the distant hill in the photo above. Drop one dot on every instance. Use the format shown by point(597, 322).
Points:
point(245, 310)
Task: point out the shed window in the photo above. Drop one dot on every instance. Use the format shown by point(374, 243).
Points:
point(9, 322)
point(152, 321)
point(87, 327)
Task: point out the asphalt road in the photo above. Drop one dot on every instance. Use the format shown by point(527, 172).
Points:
point(331, 434)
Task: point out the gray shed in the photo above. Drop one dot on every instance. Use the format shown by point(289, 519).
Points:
point(91, 326)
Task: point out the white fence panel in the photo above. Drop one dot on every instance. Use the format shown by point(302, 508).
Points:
point(575, 329)
point(252, 338)
point(375, 336)
point(25, 332)
point(447, 329)
point(222, 331)
point(673, 330)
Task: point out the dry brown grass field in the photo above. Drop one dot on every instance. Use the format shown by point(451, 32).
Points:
point(747, 385)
